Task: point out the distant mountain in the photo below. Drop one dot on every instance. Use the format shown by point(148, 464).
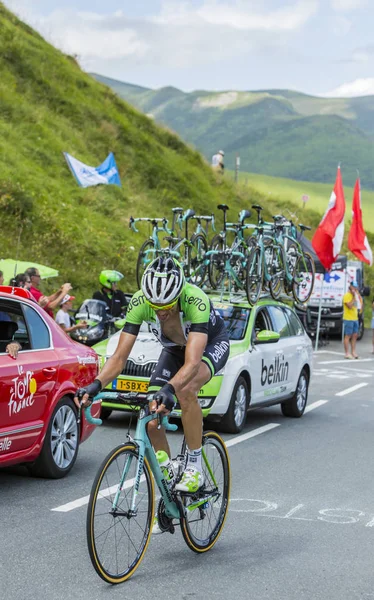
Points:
point(276, 132)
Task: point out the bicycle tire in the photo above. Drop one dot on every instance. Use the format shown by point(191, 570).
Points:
point(197, 263)
point(216, 266)
point(254, 275)
point(102, 528)
point(308, 282)
point(147, 253)
point(275, 283)
point(292, 254)
point(192, 527)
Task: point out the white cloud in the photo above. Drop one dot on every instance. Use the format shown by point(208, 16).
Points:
point(348, 5)
point(183, 34)
point(359, 87)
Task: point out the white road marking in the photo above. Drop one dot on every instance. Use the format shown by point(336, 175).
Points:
point(246, 436)
point(327, 352)
point(231, 442)
point(352, 389)
point(315, 405)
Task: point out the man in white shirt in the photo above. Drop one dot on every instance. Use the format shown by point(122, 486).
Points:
point(217, 161)
point(62, 317)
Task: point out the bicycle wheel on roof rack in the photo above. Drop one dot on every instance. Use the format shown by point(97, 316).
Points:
point(147, 253)
point(197, 265)
point(254, 275)
point(216, 267)
point(274, 262)
point(303, 278)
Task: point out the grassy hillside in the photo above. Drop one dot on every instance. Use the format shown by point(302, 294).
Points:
point(275, 132)
point(48, 105)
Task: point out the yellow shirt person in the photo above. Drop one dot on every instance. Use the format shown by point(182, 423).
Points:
point(352, 305)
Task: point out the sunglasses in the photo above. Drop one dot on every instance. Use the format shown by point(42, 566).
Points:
point(165, 307)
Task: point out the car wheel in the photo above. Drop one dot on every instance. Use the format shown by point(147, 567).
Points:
point(105, 413)
point(296, 406)
point(236, 415)
point(60, 448)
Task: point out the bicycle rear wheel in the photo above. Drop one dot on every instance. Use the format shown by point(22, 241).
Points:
point(117, 539)
point(147, 253)
point(254, 275)
point(197, 259)
point(276, 270)
point(202, 525)
point(216, 267)
point(303, 278)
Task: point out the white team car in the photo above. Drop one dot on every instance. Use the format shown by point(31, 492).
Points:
point(270, 363)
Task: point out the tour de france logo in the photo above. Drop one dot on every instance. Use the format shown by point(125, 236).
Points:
point(22, 391)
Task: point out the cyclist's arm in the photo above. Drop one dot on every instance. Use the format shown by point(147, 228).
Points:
point(195, 347)
point(114, 364)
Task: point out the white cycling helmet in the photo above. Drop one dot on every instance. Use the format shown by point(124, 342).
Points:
point(163, 281)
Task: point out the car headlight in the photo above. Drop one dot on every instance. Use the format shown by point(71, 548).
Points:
point(205, 402)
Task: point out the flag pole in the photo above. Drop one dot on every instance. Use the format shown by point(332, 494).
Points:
point(319, 314)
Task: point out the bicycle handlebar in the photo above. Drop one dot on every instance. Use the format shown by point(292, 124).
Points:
point(90, 418)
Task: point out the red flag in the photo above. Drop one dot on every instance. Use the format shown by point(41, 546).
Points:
point(357, 240)
point(328, 237)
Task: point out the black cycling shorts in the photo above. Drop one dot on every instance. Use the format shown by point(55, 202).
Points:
point(171, 360)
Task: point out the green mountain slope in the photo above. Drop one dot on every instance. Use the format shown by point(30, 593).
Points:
point(48, 105)
point(275, 132)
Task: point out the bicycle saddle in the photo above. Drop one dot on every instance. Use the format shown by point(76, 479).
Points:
point(189, 213)
point(244, 214)
point(277, 217)
point(177, 209)
point(223, 207)
point(304, 227)
point(257, 207)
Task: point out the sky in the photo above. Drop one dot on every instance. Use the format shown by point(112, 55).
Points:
point(319, 47)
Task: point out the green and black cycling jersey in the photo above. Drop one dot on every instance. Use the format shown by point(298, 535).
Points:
point(196, 314)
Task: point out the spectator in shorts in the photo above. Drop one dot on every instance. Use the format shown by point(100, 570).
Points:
point(217, 161)
point(352, 304)
point(46, 302)
point(63, 319)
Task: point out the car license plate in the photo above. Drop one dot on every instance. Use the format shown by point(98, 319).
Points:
point(330, 323)
point(129, 385)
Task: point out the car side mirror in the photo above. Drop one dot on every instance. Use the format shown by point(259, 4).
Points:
point(266, 337)
point(365, 291)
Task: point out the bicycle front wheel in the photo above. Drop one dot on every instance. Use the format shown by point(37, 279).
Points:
point(205, 511)
point(197, 266)
point(254, 275)
point(216, 267)
point(117, 537)
point(147, 253)
point(303, 278)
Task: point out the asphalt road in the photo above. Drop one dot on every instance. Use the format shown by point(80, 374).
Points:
point(300, 523)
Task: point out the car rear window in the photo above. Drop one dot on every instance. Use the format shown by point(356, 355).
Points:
point(236, 320)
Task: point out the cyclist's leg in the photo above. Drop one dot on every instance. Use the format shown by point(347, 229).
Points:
point(168, 364)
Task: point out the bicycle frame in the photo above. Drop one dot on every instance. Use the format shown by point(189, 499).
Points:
point(173, 509)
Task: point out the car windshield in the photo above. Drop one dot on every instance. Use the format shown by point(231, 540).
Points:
point(236, 320)
point(94, 310)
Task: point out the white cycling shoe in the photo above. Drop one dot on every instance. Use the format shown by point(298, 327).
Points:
point(191, 481)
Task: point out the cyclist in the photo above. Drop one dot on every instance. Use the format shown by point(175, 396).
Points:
point(114, 298)
point(195, 347)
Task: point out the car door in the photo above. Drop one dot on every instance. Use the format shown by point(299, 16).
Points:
point(27, 382)
point(260, 359)
point(286, 358)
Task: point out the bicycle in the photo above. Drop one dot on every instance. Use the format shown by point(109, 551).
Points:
point(121, 507)
point(151, 248)
point(189, 251)
point(229, 261)
point(199, 227)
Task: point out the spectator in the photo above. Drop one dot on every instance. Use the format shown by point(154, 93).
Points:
point(21, 280)
point(217, 161)
point(114, 298)
point(46, 302)
point(62, 317)
point(1, 278)
point(352, 305)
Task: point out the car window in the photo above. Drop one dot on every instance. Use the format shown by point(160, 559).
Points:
point(236, 320)
point(261, 321)
point(39, 332)
point(12, 325)
point(279, 321)
point(295, 324)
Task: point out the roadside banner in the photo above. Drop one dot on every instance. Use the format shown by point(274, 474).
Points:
point(106, 173)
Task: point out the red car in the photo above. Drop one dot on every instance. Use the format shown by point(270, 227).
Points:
point(38, 418)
